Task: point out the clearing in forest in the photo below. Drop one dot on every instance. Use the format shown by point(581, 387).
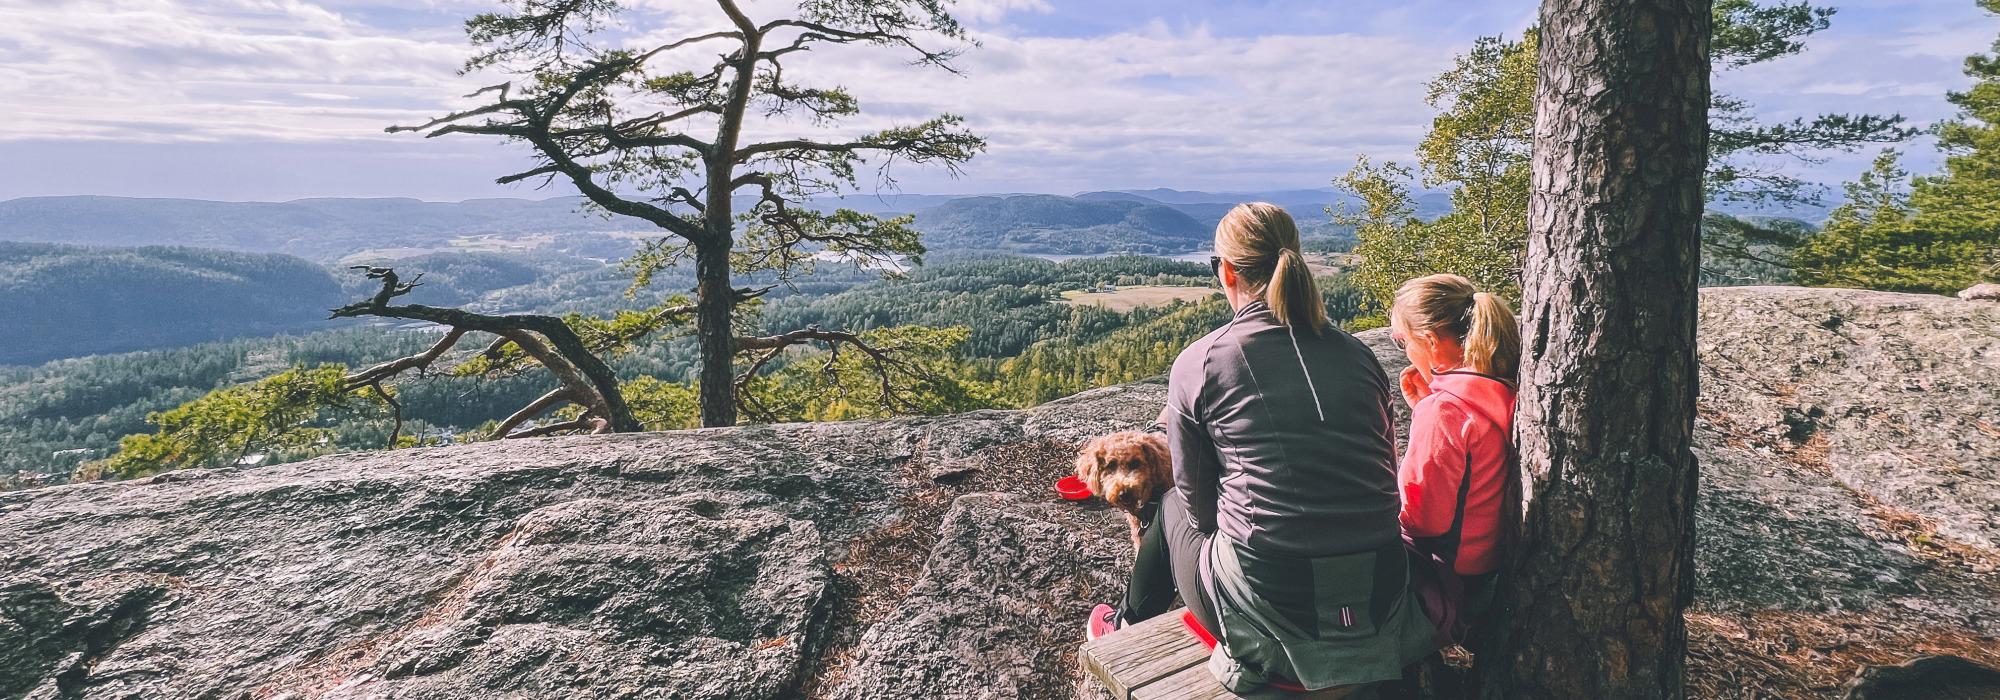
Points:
point(1129, 298)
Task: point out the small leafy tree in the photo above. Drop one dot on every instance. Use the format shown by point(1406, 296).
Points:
point(1480, 141)
point(641, 137)
point(1479, 144)
point(924, 377)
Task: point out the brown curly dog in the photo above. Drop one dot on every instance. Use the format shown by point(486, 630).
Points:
point(1127, 469)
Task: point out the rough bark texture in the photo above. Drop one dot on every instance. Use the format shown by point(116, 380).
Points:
point(1607, 406)
point(716, 307)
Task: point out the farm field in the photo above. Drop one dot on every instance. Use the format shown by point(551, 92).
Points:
point(1129, 298)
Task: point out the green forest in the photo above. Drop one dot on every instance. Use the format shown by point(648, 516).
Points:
point(59, 415)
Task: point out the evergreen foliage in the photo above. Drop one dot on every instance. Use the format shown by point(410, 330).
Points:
point(1478, 147)
point(1938, 233)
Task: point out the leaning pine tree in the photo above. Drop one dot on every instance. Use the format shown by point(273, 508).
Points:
point(1594, 598)
point(642, 134)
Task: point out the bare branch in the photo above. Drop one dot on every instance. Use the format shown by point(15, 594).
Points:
point(396, 409)
point(594, 426)
point(419, 361)
point(496, 107)
point(537, 172)
point(588, 378)
point(642, 58)
point(528, 412)
point(816, 31)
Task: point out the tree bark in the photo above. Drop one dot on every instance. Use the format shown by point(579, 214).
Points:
point(1595, 594)
point(715, 299)
point(715, 306)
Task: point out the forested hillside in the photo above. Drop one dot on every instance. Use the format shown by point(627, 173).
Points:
point(55, 416)
point(65, 301)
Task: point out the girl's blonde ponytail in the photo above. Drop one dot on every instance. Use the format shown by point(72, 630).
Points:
point(1493, 342)
point(1482, 322)
point(1260, 240)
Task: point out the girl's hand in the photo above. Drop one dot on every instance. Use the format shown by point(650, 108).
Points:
point(1416, 386)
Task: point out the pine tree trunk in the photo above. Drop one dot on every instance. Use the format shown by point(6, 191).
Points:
point(715, 298)
point(1595, 595)
point(715, 306)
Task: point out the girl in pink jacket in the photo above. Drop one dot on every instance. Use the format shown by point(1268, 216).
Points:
point(1459, 477)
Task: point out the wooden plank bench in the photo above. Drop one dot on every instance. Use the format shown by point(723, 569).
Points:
point(1160, 660)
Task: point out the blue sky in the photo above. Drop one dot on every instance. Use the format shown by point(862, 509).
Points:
point(280, 99)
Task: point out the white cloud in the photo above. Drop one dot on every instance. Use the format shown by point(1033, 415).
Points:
point(154, 70)
point(995, 10)
point(1859, 68)
point(1144, 107)
point(1153, 104)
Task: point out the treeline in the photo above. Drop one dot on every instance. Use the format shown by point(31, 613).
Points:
point(61, 414)
point(1005, 300)
point(1035, 223)
point(1055, 368)
point(1003, 342)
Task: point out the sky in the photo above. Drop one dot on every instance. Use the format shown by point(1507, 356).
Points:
point(280, 99)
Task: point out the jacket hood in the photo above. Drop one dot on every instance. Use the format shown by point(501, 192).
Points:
point(1485, 395)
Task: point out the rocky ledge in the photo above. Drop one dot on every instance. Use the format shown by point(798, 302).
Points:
point(1850, 511)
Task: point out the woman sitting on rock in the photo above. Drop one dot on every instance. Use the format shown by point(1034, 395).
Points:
point(1280, 531)
point(1460, 477)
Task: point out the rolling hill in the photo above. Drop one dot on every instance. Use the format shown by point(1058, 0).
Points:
point(66, 301)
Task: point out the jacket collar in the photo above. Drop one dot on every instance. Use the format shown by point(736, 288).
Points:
point(1254, 306)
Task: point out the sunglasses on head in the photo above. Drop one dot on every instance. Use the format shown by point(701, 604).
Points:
point(1215, 265)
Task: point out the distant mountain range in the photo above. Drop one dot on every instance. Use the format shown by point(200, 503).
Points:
point(321, 229)
point(328, 230)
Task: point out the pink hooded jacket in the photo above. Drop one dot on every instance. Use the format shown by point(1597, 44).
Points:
point(1464, 427)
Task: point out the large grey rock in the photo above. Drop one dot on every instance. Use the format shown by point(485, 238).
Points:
point(1848, 459)
point(1000, 605)
point(1896, 395)
point(689, 564)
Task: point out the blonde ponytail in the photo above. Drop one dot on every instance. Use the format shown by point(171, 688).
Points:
point(1262, 243)
point(1482, 322)
point(1493, 342)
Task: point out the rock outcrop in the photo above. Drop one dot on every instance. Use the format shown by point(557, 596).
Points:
point(1851, 464)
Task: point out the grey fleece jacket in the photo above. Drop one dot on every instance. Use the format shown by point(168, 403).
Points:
point(1282, 439)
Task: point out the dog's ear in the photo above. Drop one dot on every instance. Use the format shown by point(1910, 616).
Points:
point(1090, 462)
